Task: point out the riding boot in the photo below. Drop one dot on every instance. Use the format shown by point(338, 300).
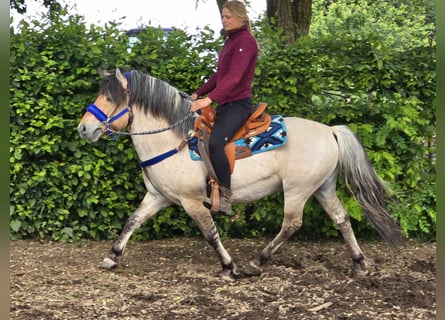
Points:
point(225, 198)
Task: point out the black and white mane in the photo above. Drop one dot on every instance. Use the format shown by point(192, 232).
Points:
point(154, 96)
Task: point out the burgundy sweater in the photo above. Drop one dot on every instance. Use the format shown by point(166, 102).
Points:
point(232, 80)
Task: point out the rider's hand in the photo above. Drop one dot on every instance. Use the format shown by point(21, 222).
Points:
point(200, 103)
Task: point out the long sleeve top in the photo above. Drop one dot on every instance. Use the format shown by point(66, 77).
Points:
point(233, 78)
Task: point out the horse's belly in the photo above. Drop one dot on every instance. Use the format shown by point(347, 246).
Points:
point(309, 157)
point(254, 180)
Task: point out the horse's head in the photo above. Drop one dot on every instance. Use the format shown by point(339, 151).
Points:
point(110, 110)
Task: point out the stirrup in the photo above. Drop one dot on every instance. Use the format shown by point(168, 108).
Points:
point(227, 214)
point(225, 202)
point(207, 203)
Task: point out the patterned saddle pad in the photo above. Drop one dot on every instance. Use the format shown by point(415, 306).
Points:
point(275, 136)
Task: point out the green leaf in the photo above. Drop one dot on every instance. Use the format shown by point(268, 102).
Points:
point(16, 225)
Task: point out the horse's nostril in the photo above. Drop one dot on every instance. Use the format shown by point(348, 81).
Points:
point(81, 128)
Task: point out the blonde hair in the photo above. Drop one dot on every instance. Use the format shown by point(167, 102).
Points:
point(238, 9)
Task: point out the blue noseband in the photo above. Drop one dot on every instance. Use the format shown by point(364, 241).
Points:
point(101, 116)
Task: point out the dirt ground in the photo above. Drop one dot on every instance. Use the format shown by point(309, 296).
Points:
point(179, 279)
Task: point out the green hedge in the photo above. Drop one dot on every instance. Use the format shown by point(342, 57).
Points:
point(66, 189)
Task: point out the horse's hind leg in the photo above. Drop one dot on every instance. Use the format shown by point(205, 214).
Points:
point(327, 197)
point(292, 220)
point(150, 205)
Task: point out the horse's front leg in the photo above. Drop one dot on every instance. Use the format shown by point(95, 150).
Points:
point(150, 205)
point(205, 222)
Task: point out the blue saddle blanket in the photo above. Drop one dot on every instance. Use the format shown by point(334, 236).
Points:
point(275, 136)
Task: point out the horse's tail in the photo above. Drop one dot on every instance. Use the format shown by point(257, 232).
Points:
point(366, 186)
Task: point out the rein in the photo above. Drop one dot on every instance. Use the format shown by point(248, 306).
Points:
point(177, 124)
point(106, 122)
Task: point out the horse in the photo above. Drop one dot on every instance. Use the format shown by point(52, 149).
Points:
point(157, 117)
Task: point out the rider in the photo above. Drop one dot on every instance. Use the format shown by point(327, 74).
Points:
point(231, 87)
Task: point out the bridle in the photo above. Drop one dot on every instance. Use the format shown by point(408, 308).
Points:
point(106, 120)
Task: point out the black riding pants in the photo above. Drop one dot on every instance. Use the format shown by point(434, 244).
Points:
point(229, 118)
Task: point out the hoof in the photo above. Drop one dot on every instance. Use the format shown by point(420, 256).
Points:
point(108, 264)
point(232, 275)
point(227, 276)
point(237, 274)
point(360, 274)
point(362, 268)
point(252, 270)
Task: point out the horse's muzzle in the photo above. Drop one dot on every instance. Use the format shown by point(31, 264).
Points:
point(90, 131)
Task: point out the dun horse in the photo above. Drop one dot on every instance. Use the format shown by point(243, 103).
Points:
point(157, 117)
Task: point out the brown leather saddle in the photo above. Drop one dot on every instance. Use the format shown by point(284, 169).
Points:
point(257, 123)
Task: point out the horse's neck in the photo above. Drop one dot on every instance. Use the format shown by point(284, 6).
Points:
point(152, 144)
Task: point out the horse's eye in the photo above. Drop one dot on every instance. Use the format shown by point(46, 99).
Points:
point(109, 99)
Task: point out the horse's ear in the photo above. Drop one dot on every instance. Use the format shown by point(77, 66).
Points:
point(122, 79)
point(104, 73)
